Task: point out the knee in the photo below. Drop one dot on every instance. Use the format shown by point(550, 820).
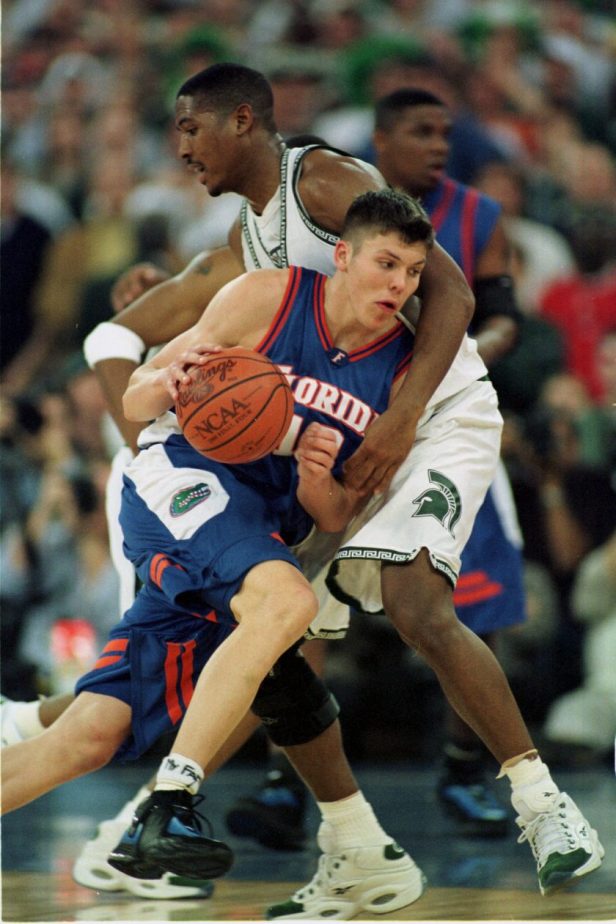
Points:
point(290, 619)
point(425, 625)
point(86, 752)
point(282, 615)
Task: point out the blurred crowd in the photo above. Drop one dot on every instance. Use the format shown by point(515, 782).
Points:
point(91, 184)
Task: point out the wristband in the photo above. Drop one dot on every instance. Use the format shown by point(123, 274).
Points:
point(112, 341)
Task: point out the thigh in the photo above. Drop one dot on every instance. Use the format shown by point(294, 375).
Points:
point(194, 533)
point(432, 502)
point(267, 588)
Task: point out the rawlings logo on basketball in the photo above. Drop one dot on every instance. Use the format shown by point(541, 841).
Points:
point(188, 498)
point(204, 378)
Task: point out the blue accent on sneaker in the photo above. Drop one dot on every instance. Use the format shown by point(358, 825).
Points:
point(475, 807)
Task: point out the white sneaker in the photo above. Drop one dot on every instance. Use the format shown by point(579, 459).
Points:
point(373, 879)
point(10, 732)
point(92, 870)
point(563, 844)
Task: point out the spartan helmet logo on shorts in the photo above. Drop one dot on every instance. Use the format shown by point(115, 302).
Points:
point(441, 502)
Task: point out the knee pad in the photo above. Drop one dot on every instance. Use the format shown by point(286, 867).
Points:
point(294, 704)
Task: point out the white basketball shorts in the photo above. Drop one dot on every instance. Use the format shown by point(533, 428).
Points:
point(432, 501)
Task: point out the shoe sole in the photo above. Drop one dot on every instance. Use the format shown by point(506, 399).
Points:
point(382, 899)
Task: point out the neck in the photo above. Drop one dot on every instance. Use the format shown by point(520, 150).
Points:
point(263, 176)
point(346, 330)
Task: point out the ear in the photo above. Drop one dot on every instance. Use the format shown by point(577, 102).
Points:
point(244, 118)
point(343, 251)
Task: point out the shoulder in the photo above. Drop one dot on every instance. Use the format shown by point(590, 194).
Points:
point(330, 180)
point(259, 284)
point(325, 166)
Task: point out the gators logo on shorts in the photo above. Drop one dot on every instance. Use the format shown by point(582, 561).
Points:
point(188, 498)
point(441, 502)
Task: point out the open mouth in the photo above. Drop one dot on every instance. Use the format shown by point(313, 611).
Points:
point(387, 305)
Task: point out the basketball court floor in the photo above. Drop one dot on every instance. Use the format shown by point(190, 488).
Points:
point(468, 880)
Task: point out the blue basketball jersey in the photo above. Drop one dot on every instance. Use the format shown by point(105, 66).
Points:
point(463, 219)
point(339, 389)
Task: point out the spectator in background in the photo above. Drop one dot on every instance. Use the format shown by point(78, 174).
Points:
point(582, 305)
point(566, 509)
point(380, 66)
point(24, 242)
point(545, 254)
point(582, 723)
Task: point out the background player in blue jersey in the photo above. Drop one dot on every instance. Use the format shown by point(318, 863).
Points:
point(411, 140)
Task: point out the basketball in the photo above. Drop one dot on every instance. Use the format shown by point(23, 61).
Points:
point(237, 408)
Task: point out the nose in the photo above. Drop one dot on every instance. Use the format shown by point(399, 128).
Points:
point(440, 143)
point(398, 280)
point(184, 147)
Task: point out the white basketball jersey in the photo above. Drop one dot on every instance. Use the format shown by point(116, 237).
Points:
point(285, 235)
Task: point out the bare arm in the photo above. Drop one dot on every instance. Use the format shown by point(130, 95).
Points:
point(447, 309)
point(238, 315)
point(328, 185)
point(159, 315)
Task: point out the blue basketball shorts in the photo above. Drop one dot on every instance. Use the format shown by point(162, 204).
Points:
point(489, 594)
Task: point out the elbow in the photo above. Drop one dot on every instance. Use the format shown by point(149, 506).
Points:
point(128, 408)
point(467, 304)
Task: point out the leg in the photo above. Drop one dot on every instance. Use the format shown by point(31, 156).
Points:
point(72, 747)
point(267, 625)
point(464, 788)
point(266, 629)
point(273, 813)
point(419, 602)
point(563, 843)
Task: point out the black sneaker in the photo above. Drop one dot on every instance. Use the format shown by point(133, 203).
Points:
point(274, 815)
point(474, 806)
point(165, 836)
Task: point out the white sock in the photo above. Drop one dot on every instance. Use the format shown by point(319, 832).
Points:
point(126, 812)
point(533, 790)
point(179, 772)
point(349, 822)
point(26, 718)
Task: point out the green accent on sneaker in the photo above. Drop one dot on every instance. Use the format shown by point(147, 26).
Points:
point(560, 868)
point(206, 885)
point(282, 909)
point(393, 851)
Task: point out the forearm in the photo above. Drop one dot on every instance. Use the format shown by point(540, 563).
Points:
point(329, 504)
point(146, 396)
point(447, 309)
point(114, 376)
point(173, 306)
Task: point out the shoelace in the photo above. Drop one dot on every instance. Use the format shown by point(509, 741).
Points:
point(325, 870)
point(191, 817)
point(188, 814)
point(549, 833)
